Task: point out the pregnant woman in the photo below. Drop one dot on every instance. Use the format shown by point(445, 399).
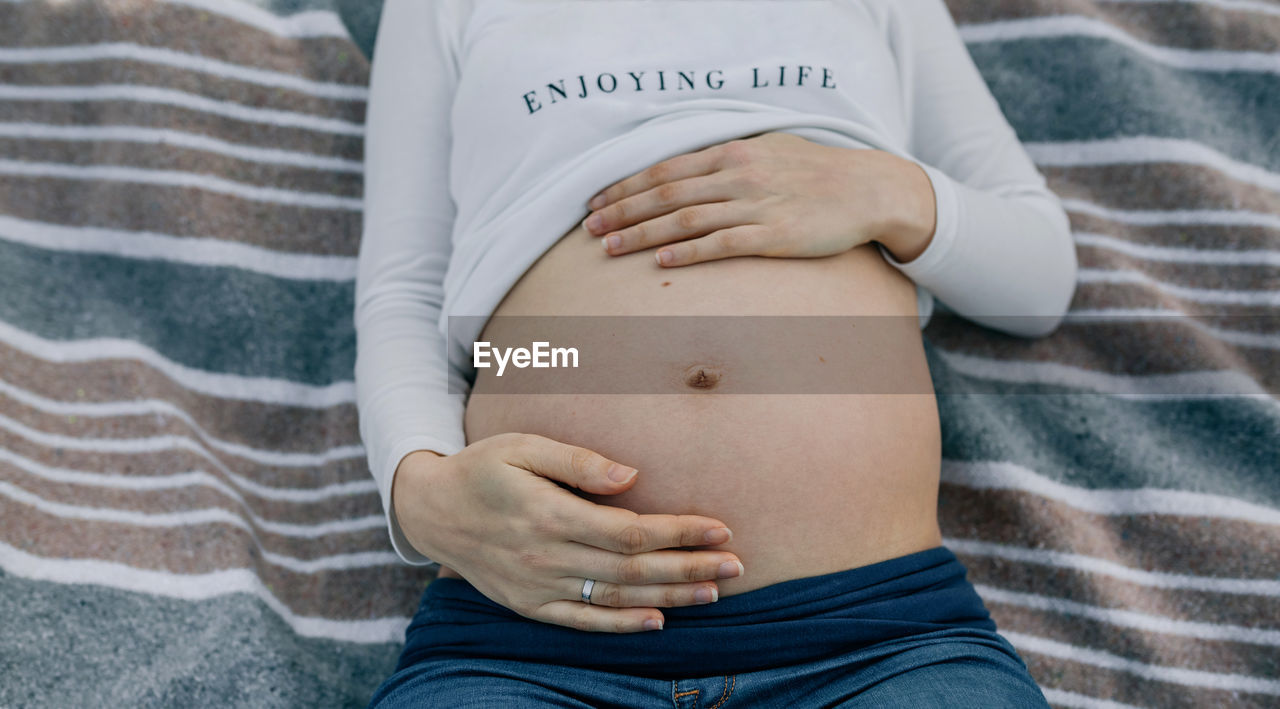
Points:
point(695, 536)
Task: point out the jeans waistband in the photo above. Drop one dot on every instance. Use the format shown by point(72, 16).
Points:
point(791, 622)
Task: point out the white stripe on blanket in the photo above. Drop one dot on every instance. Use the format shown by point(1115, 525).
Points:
point(1105, 567)
point(170, 138)
point(1161, 673)
point(1132, 619)
point(1148, 150)
point(129, 51)
point(1079, 26)
point(999, 475)
point(196, 587)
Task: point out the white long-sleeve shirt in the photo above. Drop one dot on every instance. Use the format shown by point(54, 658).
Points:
point(490, 124)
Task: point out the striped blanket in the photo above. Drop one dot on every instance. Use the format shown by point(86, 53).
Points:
point(186, 515)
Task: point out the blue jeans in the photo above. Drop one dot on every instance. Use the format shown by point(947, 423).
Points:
point(907, 632)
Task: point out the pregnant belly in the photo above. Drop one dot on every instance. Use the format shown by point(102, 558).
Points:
point(832, 468)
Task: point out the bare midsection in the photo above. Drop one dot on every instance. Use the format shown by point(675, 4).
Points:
point(809, 482)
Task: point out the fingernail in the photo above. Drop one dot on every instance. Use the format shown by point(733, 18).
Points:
point(597, 201)
point(729, 569)
point(593, 221)
point(706, 595)
point(652, 624)
point(719, 535)
point(614, 241)
point(620, 473)
point(665, 257)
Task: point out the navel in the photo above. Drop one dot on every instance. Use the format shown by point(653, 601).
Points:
point(702, 376)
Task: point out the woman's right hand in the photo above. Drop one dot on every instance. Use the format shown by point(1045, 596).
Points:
point(495, 513)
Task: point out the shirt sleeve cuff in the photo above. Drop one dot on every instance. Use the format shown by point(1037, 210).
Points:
point(944, 235)
point(399, 542)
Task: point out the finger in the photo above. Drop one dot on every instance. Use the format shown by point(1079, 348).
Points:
point(626, 532)
point(660, 200)
point(580, 467)
point(742, 240)
point(592, 618)
point(660, 595)
point(664, 566)
point(687, 223)
point(680, 167)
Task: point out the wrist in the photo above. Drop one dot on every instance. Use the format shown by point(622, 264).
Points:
point(406, 475)
point(911, 207)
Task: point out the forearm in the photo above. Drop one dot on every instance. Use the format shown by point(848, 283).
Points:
point(409, 396)
point(1001, 253)
point(1002, 258)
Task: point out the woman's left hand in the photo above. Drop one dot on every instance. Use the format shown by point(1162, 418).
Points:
point(773, 194)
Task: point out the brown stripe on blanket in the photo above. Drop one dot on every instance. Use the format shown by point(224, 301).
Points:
point(1229, 237)
point(311, 186)
point(1200, 308)
point(1220, 656)
point(1201, 546)
point(194, 496)
point(235, 123)
point(1173, 24)
point(1091, 294)
point(223, 543)
point(1182, 274)
point(1132, 689)
point(188, 211)
point(1159, 186)
point(174, 459)
point(1250, 610)
point(387, 590)
point(70, 75)
point(292, 430)
point(1216, 280)
point(1137, 347)
point(182, 29)
point(167, 156)
point(279, 428)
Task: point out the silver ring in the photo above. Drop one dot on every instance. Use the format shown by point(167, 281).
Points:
point(587, 585)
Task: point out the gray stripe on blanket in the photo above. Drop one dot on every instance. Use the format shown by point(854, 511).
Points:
point(90, 646)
